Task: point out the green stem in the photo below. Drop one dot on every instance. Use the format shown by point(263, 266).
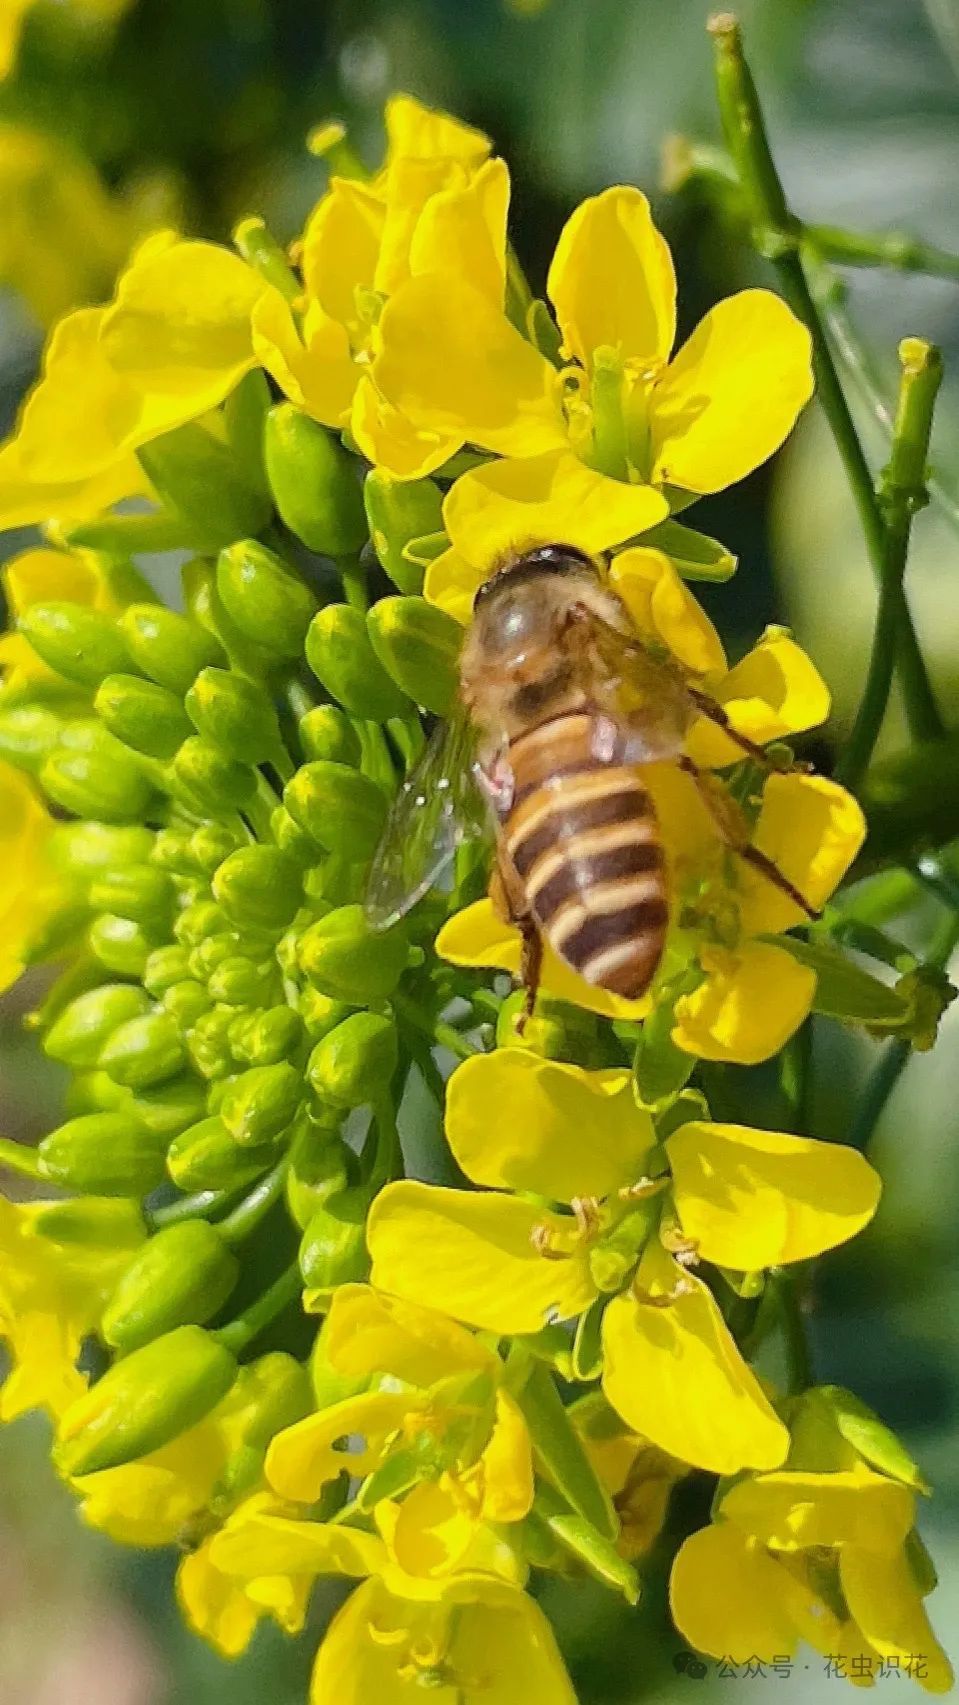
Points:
point(198, 1206)
point(257, 1317)
point(20, 1159)
point(799, 1368)
point(444, 1035)
point(353, 576)
point(903, 493)
point(247, 1215)
point(882, 248)
point(777, 236)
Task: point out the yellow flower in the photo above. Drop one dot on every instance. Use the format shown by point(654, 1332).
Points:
point(52, 1294)
point(438, 204)
point(37, 577)
point(31, 891)
point(738, 1198)
point(637, 1475)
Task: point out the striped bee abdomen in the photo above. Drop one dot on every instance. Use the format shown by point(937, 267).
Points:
point(582, 834)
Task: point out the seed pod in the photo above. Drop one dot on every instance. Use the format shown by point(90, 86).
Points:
point(261, 1103)
point(186, 1002)
point(167, 646)
point(268, 1037)
point(325, 732)
point(205, 1157)
point(144, 1401)
point(258, 887)
point(181, 1277)
point(79, 643)
point(143, 1051)
point(171, 1107)
point(399, 511)
point(104, 782)
point(419, 646)
point(139, 891)
point(314, 483)
point(80, 1031)
point(106, 1154)
point(269, 603)
point(235, 715)
point(340, 654)
point(198, 478)
point(333, 1250)
point(121, 944)
point(143, 715)
point(338, 806)
point(353, 1065)
point(211, 781)
point(165, 967)
point(343, 957)
point(318, 1170)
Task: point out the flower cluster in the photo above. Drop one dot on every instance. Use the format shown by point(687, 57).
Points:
point(255, 1335)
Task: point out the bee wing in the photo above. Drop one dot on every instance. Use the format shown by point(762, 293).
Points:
point(645, 695)
point(438, 807)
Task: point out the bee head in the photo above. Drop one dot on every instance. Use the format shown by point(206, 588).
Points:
point(524, 605)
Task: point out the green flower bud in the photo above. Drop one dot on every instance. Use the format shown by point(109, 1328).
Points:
point(199, 922)
point(268, 1037)
point(105, 782)
point(165, 967)
point(556, 1030)
point(94, 1092)
point(92, 1222)
point(354, 1064)
point(274, 1392)
point(338, 806)
point(269, 603)
point(340, 654)
point(166, 646)
point(143, 1051)
point(314, 483)
point(318, 1170)
point(399, 511)
point(258, 887)
point(208, 1043)
point(326, 732)
point(261, 1103)
point(333, 1250)
point(139, 891)
point(28, 732)
point(83, 849)
point(76, 641)
point(80, 1031)
point(207, 954)
point(235, 715)
point(239, 981)
point(211, 781)
point(107, 1154)
point(120, 944)
point(171, 851)
point(205, 1157)
point(143, 715)
point(186, 1002)
point(343, 957)
point(144, 1401)
point(169, 1108)
point(419, 646)
point(181, 1277)
point(197, 477)
point(320, 1013)
point(210, 845)
point(291, 839)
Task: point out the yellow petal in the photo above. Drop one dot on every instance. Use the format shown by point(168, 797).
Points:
point(664, 610)
point(155, 1501)
point(35, 576)
point(812, 830)
point(775, 692)
point(213, 1605)
point(752, 1199)
point(367, 1331)
point(421, 131)
point(451, 582)
point(257, 1542)
point(793, 1511)
point(886, 1603)
point(27, 499)
point(540, 1147)
point(303, 1458)
point(478, 936)
point(732, 394)
point(675, 1375)
point(507, 507)
point(452, 363)
point(341, 243)
point(432, 1532)
point(392, 441)
point(462, 231)
point(77, 420)
point(750, 1004)
point(476, 1252)
point(507, 1465)
point(730, 1599)
point(512, 1646)
point(319, 375)
point(612, 280)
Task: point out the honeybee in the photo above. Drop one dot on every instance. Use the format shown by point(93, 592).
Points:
point(561, 705)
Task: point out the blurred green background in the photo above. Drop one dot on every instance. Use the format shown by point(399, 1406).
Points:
point(114, 117)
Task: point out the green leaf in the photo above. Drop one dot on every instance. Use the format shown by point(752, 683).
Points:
point(910, 1008)
point(696, 555)
point(592, 1549)
point(861, 1427)
point(561, 1451)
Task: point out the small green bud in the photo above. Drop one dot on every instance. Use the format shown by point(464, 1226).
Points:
point(207, 954)
point(269, 603)
point(121, 944)
point(169, 1108)
point(235, 715)
point(261, 1103)
point(333, 1250)
point(106, 1154)
point(291, 839)
point(352, 1065)
point(318, 1170)
point(143, 1051)
point(94, 1092)
point(80, 1031)
point(144, 1401)
point(205, 1157)
point(258, 887)
point(239, 981)
point(419, 646)
point(28, 732)
point(165, 967)
point(211, 781)
point(208, 1043)
point(197, 477)
point(268, 1037)
point(338, 806)
point(83, 849)
point(198, 922)
point(143, 715)
point(343, 957)
point(340, 654)
point(399, 511)
point(139, 891)
point(274, 1392)
point(105, 782)
point(556, 1030)
point(186, 1002)
point(321, 1013)
point(210, 845)
point(104, 1222)
point(314, 483)
point(181, 1277)
point(166, 646)
point(79, 643)
point(171, 851)
point(326, 732)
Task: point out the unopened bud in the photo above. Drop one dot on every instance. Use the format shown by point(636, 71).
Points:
point(314, 483)
point(333, 1251)
point(291, 839)
point(104, 781)
point(261, 1103)
point(210, 845)
point(143, 1051)
point(205, 1157)
point(344, 958)
point(80, 1031)
point(211, 781)
point(171, 1107)
point(270, 1394)
point(208, 1043)
point(179, 1278)
point(326, 732)
point(198, 922)
point(84, 849)
point(168, 647)
point(235, 715)
point(258, 887)
point(318, 1170)
point(139, 891)
point(399, 512)
point(419, 646)
point(342, 809)
point(269, 603)
point(186, 1002)
point(28, 732)
point(107, 1154)
point(199, 479)
point(165, 967)
point(268, 1037)
point(239, 981)
point(143, 715)
point(92, 1222)
point(341, 655)
point(121, 944)
point(321, 1013)
point(353, 1065)
point(79, 643)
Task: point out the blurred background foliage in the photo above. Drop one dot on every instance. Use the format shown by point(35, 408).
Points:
point(118, 115)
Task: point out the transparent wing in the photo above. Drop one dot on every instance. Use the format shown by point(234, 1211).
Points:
point(647, 696)
point(438, 807)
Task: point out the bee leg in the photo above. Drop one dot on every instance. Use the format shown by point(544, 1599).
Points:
point(725, 816)
point(531, 965)
point(509, 900)
point(710, 708)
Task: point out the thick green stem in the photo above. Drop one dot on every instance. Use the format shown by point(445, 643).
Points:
point(247, 1215)
point(882, 248)
point(198, 1206)
point(903, 492)
point(258, 1316)
point(777, 235)
point(799, 1368)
